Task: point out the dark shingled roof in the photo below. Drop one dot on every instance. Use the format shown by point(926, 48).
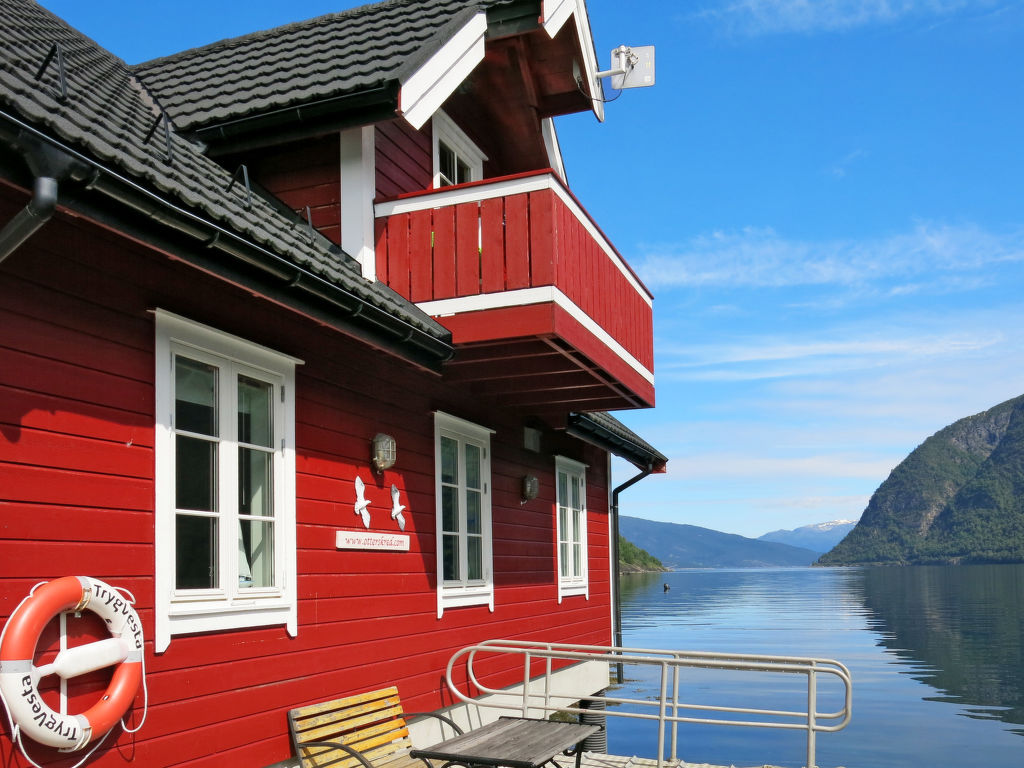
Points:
point(109, 117)
point(326, 57)
point(610, 433)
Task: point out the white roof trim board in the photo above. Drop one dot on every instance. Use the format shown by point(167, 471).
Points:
point(556, 13)
point(429, 86)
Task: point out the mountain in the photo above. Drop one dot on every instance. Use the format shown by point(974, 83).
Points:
point(633, 559)
point(689, 546)
point(820, 537)
point(957, 498)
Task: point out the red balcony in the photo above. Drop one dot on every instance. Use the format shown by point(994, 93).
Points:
point(545, 312)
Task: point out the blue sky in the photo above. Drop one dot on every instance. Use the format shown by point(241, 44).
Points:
point(824, 197)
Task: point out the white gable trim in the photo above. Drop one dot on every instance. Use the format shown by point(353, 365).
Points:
point(430, 85)
point(556, 13)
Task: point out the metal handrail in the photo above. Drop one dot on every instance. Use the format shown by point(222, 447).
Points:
point(537, 691)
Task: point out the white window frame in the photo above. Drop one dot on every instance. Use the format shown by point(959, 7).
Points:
point(444, 129)
point(228, 606)
point(453, 594)
point(571, 584)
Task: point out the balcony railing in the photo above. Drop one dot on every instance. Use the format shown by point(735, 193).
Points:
point(508, 242)
point(538, 660)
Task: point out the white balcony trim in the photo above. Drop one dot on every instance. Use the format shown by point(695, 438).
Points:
point(526, 296)
point(429, 86)
point(506, 188)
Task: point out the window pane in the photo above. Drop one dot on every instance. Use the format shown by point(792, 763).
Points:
point(473, 512)
point(462, 172)
point(255, 553)
point(474, 551)
point(446, 163)
point(195, 552)
point(255, 482)
point(195, 474)
point(563, 524)
point(575, 503)
point(449, 509)
point(577, 533)
point(195, 396)
point(255, 412)
point(577, 560)
point(563, 553)
point(563, 489)
point(449, 461)
point(473, 466)
point(450, 558)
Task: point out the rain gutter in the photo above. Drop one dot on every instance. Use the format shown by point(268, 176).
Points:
point(396, 334)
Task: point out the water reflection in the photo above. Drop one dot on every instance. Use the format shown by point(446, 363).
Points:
point(936, 654)
point(960, 629)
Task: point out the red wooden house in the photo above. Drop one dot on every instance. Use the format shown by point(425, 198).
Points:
point(223, 273)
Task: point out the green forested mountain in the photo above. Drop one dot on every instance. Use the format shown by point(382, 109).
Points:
point(633, 559)
point(957, 498)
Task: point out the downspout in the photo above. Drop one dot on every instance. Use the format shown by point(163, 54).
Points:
point(30, 218)
point(615, 558)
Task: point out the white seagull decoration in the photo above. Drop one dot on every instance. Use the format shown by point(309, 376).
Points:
point(361, 503)
point(396, 508)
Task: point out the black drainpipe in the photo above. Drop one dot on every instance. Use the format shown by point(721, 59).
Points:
point(30, 218)
point(48, 165)
point(615, 558)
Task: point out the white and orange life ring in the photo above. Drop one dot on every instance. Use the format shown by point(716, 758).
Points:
point(19, 677)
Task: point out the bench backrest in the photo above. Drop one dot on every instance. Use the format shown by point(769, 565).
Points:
point(372, 723)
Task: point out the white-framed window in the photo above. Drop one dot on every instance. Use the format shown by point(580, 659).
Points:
point(225, 482)
point(457, 159)
point(465, 574)
point(571, 527)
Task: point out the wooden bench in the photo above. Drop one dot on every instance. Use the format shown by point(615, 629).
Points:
point(367, 730)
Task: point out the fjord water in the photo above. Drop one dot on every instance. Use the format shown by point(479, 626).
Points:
point(936, 656)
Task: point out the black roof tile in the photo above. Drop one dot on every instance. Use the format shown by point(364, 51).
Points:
point(321, 58)
point(108, 117)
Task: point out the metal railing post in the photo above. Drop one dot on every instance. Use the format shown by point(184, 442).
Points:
point(812, 706)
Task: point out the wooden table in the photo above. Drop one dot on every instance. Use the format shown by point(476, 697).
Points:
point(513, 742)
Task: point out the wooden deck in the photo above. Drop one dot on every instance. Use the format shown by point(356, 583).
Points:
point(597, 760)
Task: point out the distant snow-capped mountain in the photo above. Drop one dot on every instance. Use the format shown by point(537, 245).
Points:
point(819, 537)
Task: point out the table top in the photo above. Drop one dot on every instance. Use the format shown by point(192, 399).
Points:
point(515, 742)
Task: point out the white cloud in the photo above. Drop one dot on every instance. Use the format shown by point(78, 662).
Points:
point(760, 17)
point(941, 257)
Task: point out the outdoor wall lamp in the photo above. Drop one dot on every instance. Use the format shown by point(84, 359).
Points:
point(531, 487)
point(384, 452)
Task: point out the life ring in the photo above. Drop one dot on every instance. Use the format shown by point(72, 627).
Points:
point(19, 678)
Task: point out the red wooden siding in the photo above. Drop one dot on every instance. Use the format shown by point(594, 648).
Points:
point(403, 158)
point(520, 240)
point(76, 497)
point(304, 174)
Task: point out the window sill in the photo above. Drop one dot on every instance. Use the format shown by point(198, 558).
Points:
point(459, 597)
point(187, 619)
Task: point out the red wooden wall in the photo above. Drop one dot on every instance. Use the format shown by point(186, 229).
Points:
point(303, 174)
point(76, 497)
point(403, 158)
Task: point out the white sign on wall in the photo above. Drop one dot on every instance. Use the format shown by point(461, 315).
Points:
point(391, 542)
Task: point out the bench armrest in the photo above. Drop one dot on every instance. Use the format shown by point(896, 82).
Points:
point(456, 728)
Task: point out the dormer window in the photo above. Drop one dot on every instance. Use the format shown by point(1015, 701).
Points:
point(457, 159)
